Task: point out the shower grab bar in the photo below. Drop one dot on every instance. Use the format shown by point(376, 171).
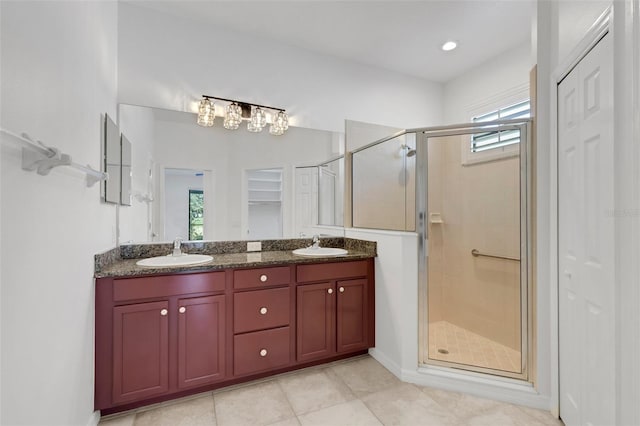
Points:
point(476, 253)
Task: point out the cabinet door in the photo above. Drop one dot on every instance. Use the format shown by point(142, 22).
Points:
point(140, 351)
point(316, 321)
point(352, 315)
point(201, 337)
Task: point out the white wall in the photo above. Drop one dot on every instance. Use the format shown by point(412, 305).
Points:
point(169, 62)
point(486, 83)
point(59, 65)
point(396, 270)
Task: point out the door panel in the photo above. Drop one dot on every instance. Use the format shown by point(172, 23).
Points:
point(316, 321)
point(585, 232)
point(201, 339)
point(352, 311)
point(140, 351)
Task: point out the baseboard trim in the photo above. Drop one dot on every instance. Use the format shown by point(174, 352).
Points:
point(94, 419)
point(482, 385)
point(387, 362)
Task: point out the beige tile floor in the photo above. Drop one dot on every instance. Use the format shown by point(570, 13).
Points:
point(355, 392)
point(466, 347)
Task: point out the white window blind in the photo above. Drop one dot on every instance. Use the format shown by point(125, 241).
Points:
point(497, 139)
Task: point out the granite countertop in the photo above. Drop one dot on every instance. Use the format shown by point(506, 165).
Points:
point(128, 267)
point(121, 261)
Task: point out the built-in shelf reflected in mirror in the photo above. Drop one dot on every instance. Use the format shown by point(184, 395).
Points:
point(250, 185)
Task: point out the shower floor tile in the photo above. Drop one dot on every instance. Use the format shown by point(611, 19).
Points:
point(466, 347)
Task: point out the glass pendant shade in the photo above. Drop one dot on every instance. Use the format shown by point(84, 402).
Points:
point(282, 120)
point(280, 123)
point(275, 130)
point(252, 128)
point(258, 120)
point(233, 116)
point(206, 113)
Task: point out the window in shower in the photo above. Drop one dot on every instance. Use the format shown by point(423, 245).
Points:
point(475, 266)
point(493, 144)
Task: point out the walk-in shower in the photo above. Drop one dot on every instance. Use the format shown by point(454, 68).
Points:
point(465, 190)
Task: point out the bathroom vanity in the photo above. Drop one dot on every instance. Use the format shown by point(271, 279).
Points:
point(167, 333)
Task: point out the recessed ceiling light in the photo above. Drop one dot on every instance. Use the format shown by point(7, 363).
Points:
point(450, 45)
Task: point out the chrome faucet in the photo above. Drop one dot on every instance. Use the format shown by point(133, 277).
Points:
point(315, 242)
point(176, 247)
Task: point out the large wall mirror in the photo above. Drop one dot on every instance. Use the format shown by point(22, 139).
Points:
point(211, 183)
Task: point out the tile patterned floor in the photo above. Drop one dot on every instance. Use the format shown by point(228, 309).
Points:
point(466, 347)
point(355, 392)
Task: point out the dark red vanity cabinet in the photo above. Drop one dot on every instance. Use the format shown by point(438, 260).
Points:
point(158, 335)
point(166, 336)
point(334, 316)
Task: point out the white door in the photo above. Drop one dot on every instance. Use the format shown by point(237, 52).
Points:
point(306, 202)
point(586, 240)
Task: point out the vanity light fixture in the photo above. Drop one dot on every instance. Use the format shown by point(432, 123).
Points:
point(450, 45)
point(236, 112)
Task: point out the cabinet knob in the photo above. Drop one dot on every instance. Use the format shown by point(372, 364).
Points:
point(567, 273)
point(330, 291)
point(263, 278)
point(263, 352)
point(182, 309)
point(263, 310)
point(164, 312)
point(341, 289)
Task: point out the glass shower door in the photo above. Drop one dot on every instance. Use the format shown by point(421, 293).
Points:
point(472, 217)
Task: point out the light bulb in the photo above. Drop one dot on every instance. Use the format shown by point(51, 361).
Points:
point(450, 45)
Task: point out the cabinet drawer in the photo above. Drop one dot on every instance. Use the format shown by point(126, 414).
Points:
point(262, 350)
point(169, 285)
point(261, 309)
point(331, 271)
point(262, 277)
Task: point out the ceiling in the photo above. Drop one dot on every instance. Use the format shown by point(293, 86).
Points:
point(402, 36)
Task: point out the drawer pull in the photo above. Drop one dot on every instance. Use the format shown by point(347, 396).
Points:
point(263, 278)
point(263, 310)
point(330, 291)
point(341, 289)
point(164, 312)
point(263, 352)
point(182, 309)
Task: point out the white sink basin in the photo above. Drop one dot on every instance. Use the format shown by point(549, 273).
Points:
point(320, 251)
point(170, 260)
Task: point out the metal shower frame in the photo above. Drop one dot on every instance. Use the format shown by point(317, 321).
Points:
point(526, 270)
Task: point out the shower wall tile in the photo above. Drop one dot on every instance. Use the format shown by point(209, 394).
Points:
point(480, 207)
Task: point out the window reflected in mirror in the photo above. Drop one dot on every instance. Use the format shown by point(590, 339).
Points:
point(184, 204)
point(196, 214)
